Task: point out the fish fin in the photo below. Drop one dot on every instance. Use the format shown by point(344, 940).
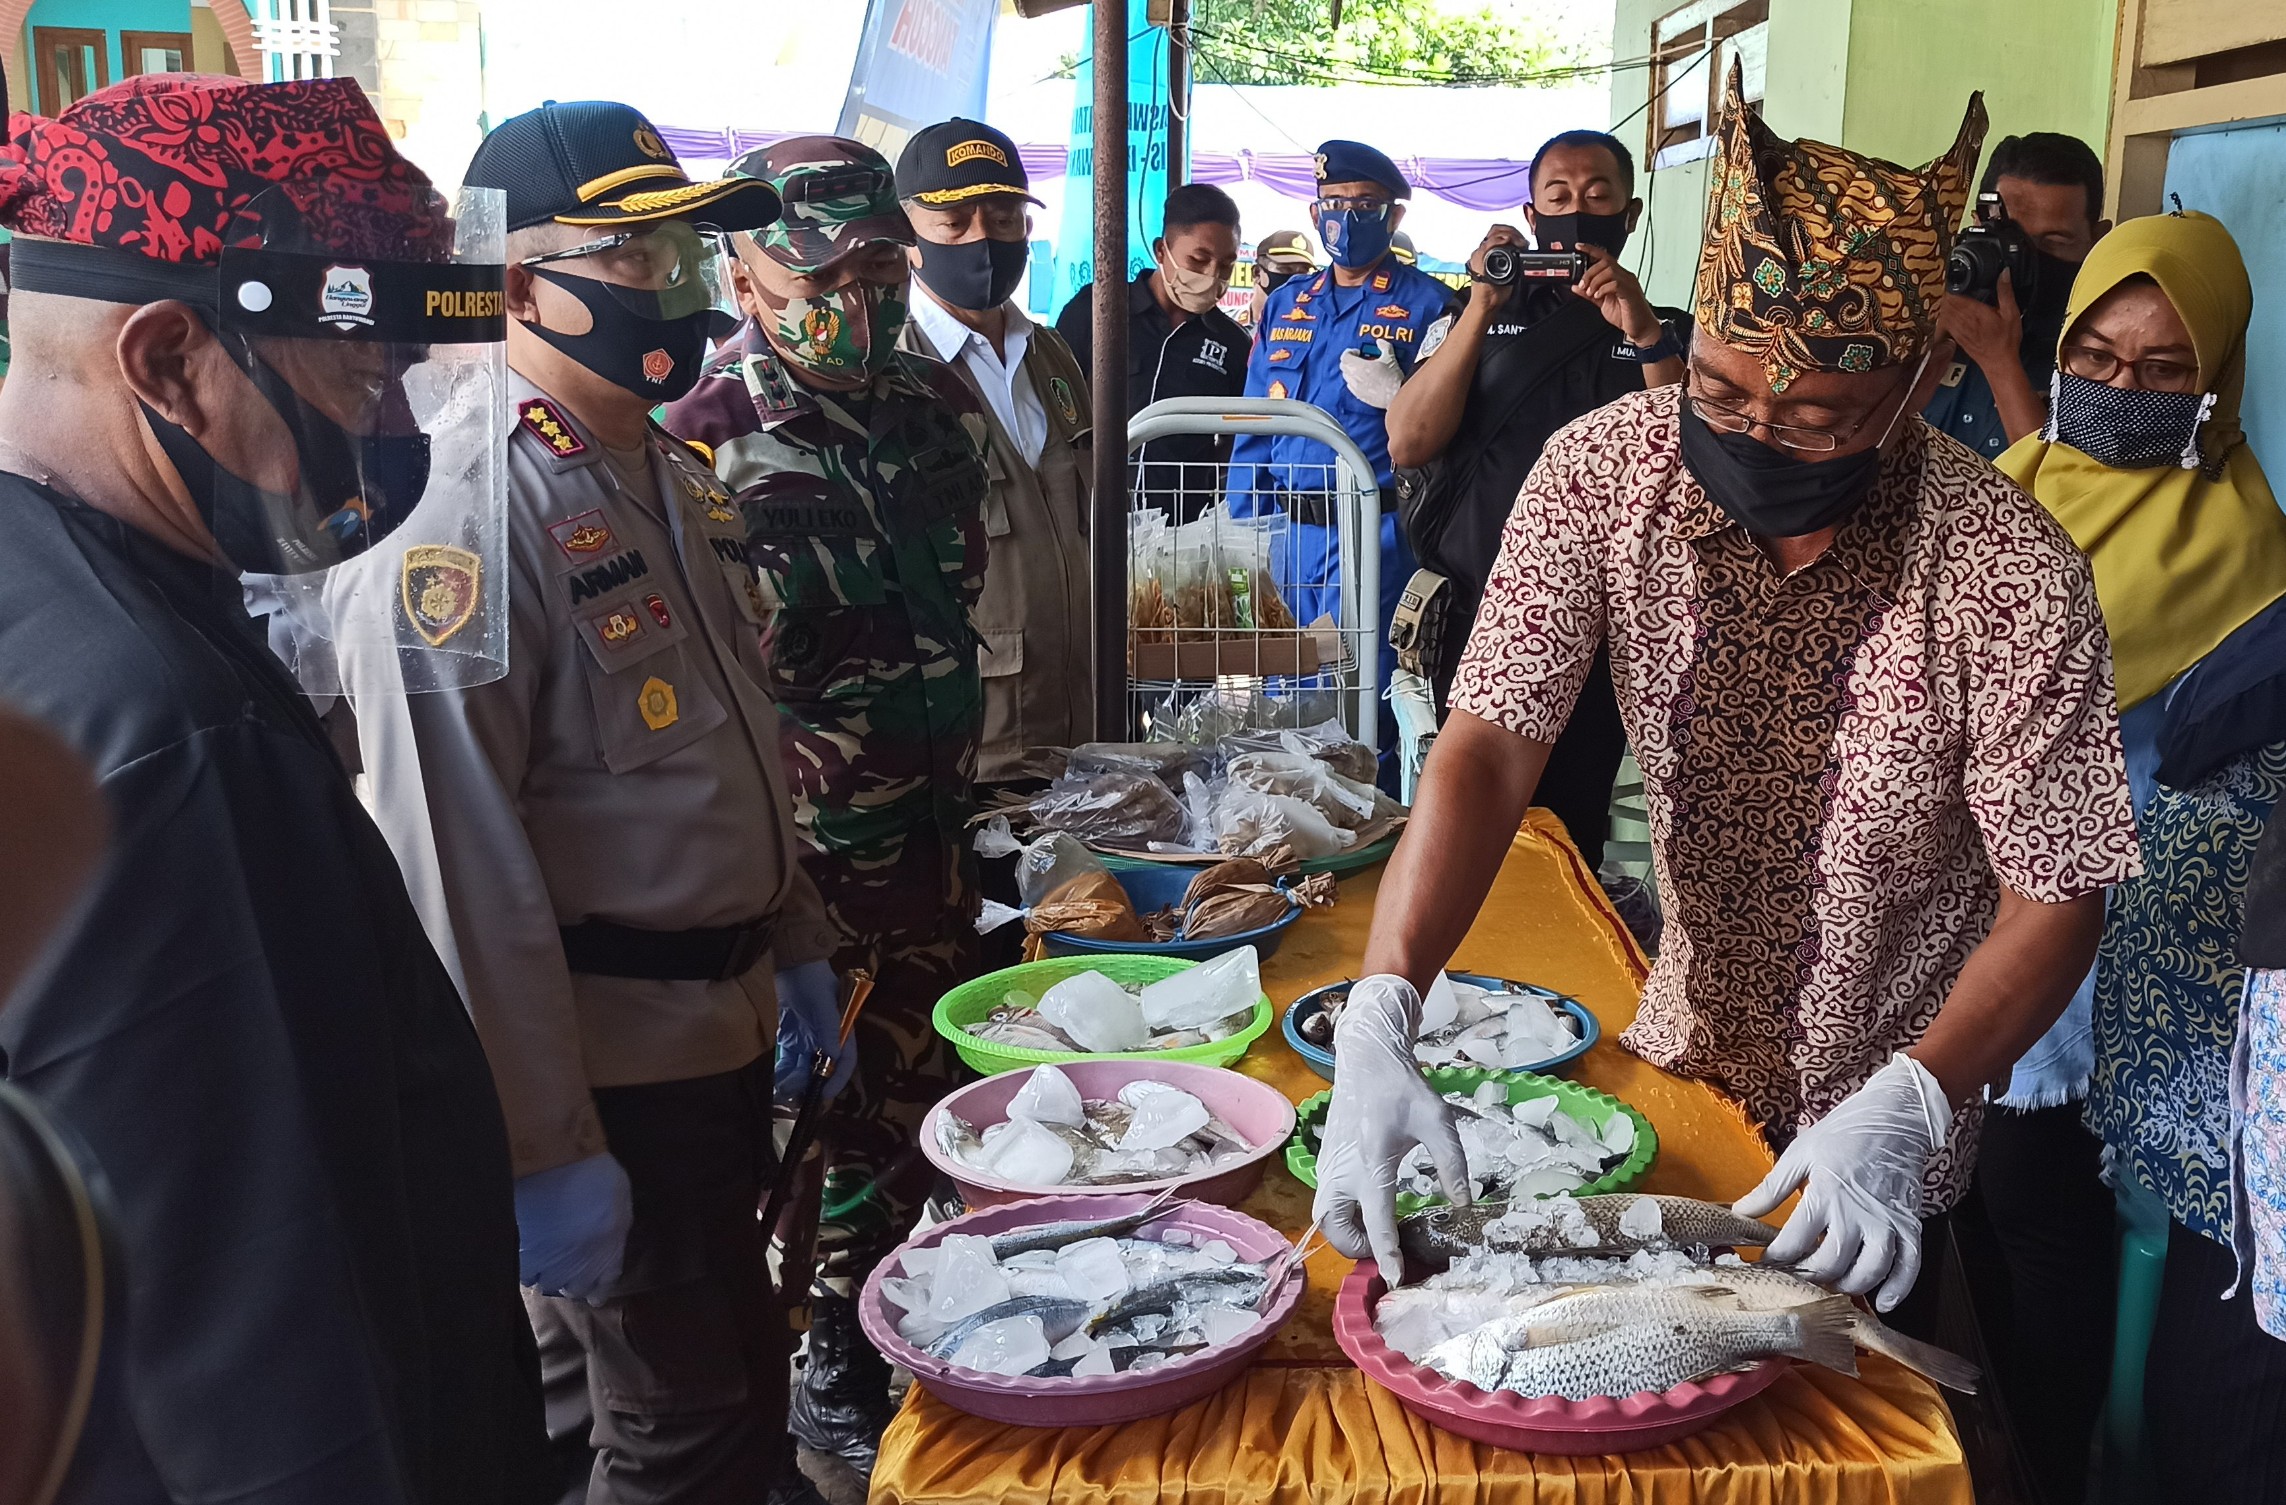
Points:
point(1924, 1359)
point(1829, 1331)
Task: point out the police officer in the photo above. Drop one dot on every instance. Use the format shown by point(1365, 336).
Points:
point(964, 186)
point(1279, 257)
point(1342, 340)
point(603, 837)
point(1495, 381)
point(1179, 343)
point(857, 472)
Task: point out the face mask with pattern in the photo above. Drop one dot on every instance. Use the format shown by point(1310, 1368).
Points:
point(848, 334)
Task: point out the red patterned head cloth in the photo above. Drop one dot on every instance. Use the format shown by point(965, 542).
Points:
point(176, 166)
point(1820, 259)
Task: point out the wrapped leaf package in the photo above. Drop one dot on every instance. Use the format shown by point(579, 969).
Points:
point(1092, 904)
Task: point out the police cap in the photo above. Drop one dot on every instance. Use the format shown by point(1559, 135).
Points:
point(591, 162)
point(1355, 162)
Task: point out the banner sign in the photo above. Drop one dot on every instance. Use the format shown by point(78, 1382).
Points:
point(1147, 93)
point(918, 62)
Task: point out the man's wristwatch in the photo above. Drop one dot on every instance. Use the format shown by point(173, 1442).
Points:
point(1661, 349)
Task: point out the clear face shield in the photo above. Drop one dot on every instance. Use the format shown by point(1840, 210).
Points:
point(364, 495)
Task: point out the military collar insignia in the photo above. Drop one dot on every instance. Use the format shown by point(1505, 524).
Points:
point(1381, 282)
point(777, 396)
point(539, 418)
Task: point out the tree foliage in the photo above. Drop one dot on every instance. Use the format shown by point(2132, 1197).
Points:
point(1295, 42)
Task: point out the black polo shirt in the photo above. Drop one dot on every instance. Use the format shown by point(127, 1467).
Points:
point(1203, 356)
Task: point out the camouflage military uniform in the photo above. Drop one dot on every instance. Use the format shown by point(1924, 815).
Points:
point(864, 515)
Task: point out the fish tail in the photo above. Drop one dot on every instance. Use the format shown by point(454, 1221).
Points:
point(1828, 1337)
point(1924, 1359)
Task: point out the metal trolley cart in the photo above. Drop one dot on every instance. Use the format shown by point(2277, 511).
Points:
point(1249, 606)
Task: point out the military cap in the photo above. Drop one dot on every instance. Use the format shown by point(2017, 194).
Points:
point(960, 160)
point(835, 196)
point(1355, 162)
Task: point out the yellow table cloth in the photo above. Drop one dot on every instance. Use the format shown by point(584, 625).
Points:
point(1303, 1425)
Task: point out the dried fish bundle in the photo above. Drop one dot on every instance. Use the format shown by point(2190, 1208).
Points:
point(1091, 904)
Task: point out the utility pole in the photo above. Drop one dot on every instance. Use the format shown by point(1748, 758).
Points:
point(1107, 538)
point(1178, 91)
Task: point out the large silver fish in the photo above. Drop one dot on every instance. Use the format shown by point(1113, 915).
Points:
point(1059, 1316)
point(1669, 1341)
point(1056, 1235)
point(1767, 1288)
point(1232, 1285)
point(1437, 1235)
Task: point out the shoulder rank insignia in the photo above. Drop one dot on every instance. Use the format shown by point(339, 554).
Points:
point(1381, 282)
point(773, 391)
point(1066, 404)
point(438, 587)
point(551, 428)
point(582, 536)
point(705, 452)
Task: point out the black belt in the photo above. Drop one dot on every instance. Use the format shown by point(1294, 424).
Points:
point(716, 954)
point(1315, 508)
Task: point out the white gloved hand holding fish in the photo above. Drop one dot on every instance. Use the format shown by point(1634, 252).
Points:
point(1382, 1107)
point(1860, 1171)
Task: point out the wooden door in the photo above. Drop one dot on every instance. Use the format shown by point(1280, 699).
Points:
point(154, 52)
point(74, 62)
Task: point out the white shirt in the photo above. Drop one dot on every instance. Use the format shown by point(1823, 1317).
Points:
point(1007, 390)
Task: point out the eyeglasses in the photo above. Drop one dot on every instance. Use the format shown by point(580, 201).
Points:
point(1351, 206)
point(1799, 438)
point(2155, 374)
point(659, 257)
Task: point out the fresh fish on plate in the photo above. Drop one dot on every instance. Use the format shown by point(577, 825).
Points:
point(1639, 1341)
point(1467, 1024)
point(1764, 1287)
point(1615, 1223)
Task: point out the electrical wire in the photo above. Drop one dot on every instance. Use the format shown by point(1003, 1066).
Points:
point(1311, 67)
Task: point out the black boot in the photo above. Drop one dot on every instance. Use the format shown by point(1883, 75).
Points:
point(841, 1404)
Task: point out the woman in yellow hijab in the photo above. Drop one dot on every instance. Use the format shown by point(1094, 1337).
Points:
point(2143, 462)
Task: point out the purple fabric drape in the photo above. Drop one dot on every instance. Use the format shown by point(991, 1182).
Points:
point(1480, 183)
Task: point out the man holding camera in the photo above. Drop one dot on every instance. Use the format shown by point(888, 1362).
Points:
point(2006, 284)
point(1544, 338)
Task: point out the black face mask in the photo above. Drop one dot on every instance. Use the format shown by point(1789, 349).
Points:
point(355, 488)
point(976, 274)
point(2126, 429)
point(1769, 492)
point(630, 343)
point(1567, 232)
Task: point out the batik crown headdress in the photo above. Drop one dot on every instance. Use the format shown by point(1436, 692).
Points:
point(1820, 259)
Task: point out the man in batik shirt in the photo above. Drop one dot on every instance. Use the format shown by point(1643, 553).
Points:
point(1871, 694)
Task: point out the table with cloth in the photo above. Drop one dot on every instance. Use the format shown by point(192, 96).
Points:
point(1304, 1425)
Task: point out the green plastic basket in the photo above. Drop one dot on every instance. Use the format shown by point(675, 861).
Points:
point(1589, 1106)
point(974, 1001)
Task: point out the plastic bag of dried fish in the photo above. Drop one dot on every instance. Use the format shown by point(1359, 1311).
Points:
point(1091, 1013)
point(1052, 1137)
point(1075, 1299)
point(1344, 802)
point(1611, 1295)
point(1329, 742)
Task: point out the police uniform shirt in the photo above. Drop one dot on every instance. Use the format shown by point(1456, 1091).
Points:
point(626, 769)
point(1202, 356)
point(1502, 430)
point(245, 1028)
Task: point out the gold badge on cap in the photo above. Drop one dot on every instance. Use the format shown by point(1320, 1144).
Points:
point(439, 586)
point(656, 701)
point(648, 143)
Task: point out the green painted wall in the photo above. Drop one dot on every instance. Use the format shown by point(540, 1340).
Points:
point(1887, 77)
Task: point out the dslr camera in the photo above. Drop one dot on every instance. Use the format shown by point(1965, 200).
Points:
point(1994, 244)
point(1505, 266)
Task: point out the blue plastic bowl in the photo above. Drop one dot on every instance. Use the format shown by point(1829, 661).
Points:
point(1321, 1060)
point(1154, 886)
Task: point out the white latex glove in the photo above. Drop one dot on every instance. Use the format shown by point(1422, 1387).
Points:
point(1372, 379)
point(1860, 1168)
point(1382, 1107)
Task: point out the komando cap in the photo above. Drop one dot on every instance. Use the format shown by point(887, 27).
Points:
point(960, 160)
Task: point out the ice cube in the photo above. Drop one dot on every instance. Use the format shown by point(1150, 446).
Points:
point(1048, 1097)
point(1618, 1134)
point(1481, 1044)
point(1096, 1360)
point(1199, 996)
point(1535, 1112)
point(1093, 1269)
point(1013, 1345)
point(1078, 1346)
point(967, 1278)
point(1489, 1097)
point(1030, 1259)
point(1642, 1219)
point(1149, 1326)
point(905, 1295)
point(1096, 1012)
point(1178, 1238)
point(1028, 1155)
point(1552, 1181)
point(920, 1261)
point(1440, 1006)
point(1163, 1120)
point(1226, 1324)
point(1148, 1361)
point(1219, 1251)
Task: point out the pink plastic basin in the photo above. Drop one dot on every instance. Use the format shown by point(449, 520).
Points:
point(1258, 1114)
point(1548, 1424)
point(1096, 1400)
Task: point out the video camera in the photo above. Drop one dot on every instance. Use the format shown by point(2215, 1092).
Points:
point(1994, 244)
point(1505, 266)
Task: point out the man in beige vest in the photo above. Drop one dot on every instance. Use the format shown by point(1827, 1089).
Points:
point(965, 189)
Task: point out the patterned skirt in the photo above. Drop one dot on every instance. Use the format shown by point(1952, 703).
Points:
point(2167, 991)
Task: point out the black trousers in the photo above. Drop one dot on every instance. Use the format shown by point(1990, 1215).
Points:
point(2040, 1243)
point(677, 1381)
point(2214, 1387)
